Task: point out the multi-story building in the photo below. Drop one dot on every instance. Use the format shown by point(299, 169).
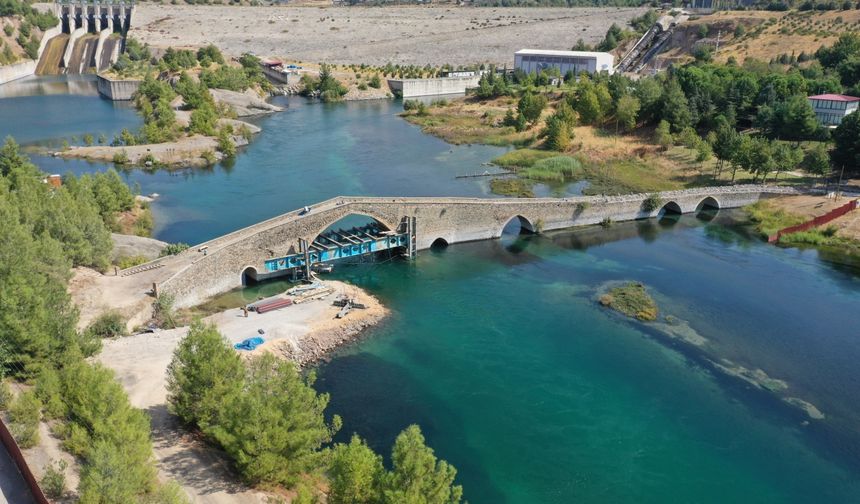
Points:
point(830, 109)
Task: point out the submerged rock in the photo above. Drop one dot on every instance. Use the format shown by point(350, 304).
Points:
point(681, 330)
point(755, 377)
point(810, 409)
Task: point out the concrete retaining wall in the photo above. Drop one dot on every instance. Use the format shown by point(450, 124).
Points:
point(117, 90)
point(408, 88)
point(454, 220)
point(279, 77)
point(17, 71)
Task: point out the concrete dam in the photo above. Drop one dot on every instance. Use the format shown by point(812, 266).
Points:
point(90, 36)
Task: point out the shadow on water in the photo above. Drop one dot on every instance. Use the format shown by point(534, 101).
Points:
point(386, 404)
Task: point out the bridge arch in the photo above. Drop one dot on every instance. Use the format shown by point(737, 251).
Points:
point(439, 243)
point(521, 224)
point(670, 207)
point(386, 226)
point(708, 203)
point(248, 276)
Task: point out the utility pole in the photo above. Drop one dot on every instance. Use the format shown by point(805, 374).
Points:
point(717, 49)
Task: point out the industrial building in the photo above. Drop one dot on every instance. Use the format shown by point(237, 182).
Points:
point(534, 60)
point(830, 109)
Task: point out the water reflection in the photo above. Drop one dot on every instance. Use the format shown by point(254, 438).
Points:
point(77, 85)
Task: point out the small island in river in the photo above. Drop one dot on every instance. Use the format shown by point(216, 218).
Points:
point(631, 299)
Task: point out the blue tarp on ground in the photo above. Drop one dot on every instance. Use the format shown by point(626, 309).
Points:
point(249, 344)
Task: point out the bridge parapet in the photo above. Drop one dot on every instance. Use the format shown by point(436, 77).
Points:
point(199, 275)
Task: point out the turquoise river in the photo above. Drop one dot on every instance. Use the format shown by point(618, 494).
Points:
point(499, 349)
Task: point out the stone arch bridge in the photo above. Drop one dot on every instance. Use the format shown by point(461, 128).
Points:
point(219, 265)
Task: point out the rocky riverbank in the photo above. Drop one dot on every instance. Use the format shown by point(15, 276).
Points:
point(326, 332)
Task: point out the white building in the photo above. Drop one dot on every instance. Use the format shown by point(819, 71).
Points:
point(534, 60)
point(830, 109)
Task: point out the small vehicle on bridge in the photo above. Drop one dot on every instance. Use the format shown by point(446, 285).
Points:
point(306, 210)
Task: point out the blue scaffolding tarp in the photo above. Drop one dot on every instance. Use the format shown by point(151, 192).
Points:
point(249, 344)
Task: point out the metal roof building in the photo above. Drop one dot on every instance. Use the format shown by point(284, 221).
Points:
point(830, 109)
point(534, 60)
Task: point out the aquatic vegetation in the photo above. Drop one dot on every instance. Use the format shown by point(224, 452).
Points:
point(522, 158)
point(631, 299)
point(555, 169)
point(518, 188)
point(768, 220)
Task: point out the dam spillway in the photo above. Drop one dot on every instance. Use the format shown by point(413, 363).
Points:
point(51, 62)
point(83, 55)
point(91, 36)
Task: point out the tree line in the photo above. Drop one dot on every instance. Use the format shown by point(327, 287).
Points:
point(271, 422)
point(698, 103)
point(44, 232)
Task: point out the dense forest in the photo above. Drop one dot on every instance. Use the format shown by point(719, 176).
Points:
point(44, 232)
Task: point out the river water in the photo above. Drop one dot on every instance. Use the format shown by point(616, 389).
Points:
point(499, 350)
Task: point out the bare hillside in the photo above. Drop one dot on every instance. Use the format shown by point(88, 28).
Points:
point(432, 35)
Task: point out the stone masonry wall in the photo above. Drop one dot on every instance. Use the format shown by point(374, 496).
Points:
point(451, 219)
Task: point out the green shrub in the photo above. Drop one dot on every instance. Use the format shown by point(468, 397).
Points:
point(163, 311)
point(53, 481)
point(173, 249)
point(245, 132)
point(225, 144)
point(651, 203)
point(411, 105)
point(375, 82)
point(144, 223)
point(148, 160)
point(212, 53)
point(5, 395)
point(209, 156)
point(24, 415)
point(108, 325)
point(125, 262)
point(121, 158)
point(49, 391)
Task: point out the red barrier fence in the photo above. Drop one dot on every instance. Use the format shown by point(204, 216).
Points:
point(18, 458)
point(818, 221)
